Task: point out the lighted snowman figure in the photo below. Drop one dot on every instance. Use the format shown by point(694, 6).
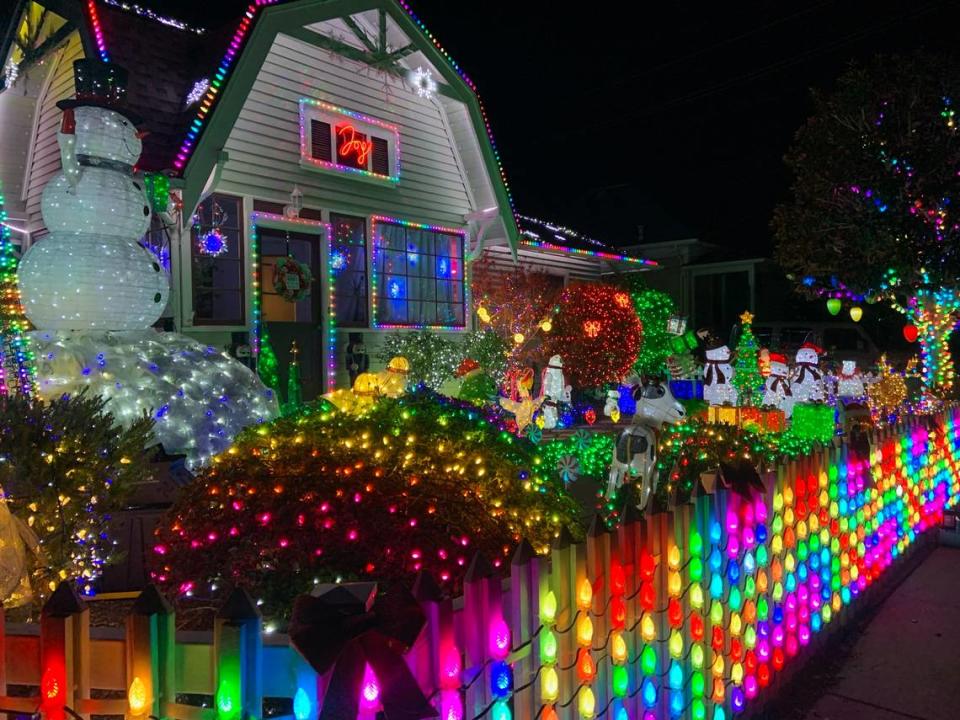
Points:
point(717, 376)
point(850, 382)
point(806, 383)
point(776, 391)
point(89, 272)
point(554, 390)
point(93, 292)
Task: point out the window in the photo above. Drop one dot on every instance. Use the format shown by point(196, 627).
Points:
point(348, 260)
point(218, 271)
point(336, 140)
point(419, 276)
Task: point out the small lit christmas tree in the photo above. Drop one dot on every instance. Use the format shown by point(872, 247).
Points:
point(294, 384)
point(747, 378)
point(267, 366)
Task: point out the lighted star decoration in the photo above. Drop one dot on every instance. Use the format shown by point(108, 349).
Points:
point(423, 82)
point(747, 317)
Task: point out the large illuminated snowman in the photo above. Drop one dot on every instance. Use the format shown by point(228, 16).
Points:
point(93, 292)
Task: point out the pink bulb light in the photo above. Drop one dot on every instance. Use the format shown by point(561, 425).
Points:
point(499, 639)
point(369, 690)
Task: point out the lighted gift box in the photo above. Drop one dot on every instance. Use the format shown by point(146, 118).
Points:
point(687, 389)
point(763, 419)
point(724, 414)
point(813, 421)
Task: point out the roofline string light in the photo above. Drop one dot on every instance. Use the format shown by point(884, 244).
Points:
point(563, 230)
point(374, 219)
point(97, 30)
point(219, 77)
point(151, 15)
point(586, 253)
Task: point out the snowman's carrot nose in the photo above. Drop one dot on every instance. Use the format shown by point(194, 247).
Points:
point(141, 134)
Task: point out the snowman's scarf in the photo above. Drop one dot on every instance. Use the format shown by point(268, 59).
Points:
point(714, 365)
point(781, 382)
point(812, 367)
point(98, 162)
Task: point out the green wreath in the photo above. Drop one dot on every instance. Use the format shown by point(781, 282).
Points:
point(291, 279)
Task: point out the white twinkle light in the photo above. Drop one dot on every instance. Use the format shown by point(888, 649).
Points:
point(423, 82)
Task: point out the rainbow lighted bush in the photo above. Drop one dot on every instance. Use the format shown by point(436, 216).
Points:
point(418, 483)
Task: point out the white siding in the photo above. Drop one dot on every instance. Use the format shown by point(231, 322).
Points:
point(264, 145)
point(45, 160)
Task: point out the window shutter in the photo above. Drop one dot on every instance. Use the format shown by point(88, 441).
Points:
point(320, 143)
point(380, 164)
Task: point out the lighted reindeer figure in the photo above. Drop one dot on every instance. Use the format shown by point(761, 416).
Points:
point(635, 454)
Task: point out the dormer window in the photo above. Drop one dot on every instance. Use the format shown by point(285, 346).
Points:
point(336, 140)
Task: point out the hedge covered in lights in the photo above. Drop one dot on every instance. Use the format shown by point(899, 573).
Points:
point(417, 483)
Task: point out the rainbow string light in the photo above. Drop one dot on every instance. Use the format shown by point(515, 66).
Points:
point(17, 369)
point(216, 83)
point(97, 30)
point(542, 245)
point(306, 103)
point(256, 313)
point(384, 220)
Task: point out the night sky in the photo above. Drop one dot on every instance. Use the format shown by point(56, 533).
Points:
point(673, 116)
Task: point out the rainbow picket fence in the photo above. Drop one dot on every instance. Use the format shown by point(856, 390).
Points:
point(698, 612)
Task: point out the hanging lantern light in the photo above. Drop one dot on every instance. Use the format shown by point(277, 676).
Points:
point(910, 333)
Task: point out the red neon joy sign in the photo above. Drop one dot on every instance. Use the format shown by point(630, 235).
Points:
point(350, 142)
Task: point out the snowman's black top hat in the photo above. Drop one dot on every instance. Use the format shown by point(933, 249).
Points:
point(100, 84)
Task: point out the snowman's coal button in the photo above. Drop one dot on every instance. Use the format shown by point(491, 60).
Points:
point(146, 210)
point(137, 186)
point(156, 298)
point(156, 268)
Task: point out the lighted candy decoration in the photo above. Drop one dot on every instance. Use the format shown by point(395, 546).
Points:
point(553, 390)
point(717, 374)
point(776, 391)
point(849, 381)
point(806, 381)
point(200, 398)
point(635, 453)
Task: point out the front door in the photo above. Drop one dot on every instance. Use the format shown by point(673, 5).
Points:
point(286, 320)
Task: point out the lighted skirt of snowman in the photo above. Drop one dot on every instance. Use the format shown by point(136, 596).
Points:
point(199, 398)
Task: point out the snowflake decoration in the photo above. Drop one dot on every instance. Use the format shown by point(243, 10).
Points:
point(213, 243)
point(423, 82)
point(338, 261)
point(197, 92)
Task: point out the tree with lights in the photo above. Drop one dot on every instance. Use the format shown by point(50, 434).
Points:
point(418, 482)
point(747, 378)
point(654, 308)
point(64, 468)
point(518, 305)
point(597, 333)
point(875, 200)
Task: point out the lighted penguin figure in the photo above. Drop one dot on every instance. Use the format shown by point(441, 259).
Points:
point(553, 390)
point(93, 292)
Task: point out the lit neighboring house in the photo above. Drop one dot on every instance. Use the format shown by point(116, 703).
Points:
point(336, 133)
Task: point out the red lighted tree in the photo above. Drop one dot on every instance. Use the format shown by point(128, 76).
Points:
point(597, 333)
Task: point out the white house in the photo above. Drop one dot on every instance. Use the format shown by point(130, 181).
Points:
point(335, 132)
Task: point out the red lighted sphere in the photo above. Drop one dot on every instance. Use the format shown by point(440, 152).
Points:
point(910, 333)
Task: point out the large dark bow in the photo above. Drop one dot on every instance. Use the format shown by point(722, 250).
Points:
point(808, 367)
point(711, 366)
point(741, 476)
point(348, 636)
point(779, 381)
